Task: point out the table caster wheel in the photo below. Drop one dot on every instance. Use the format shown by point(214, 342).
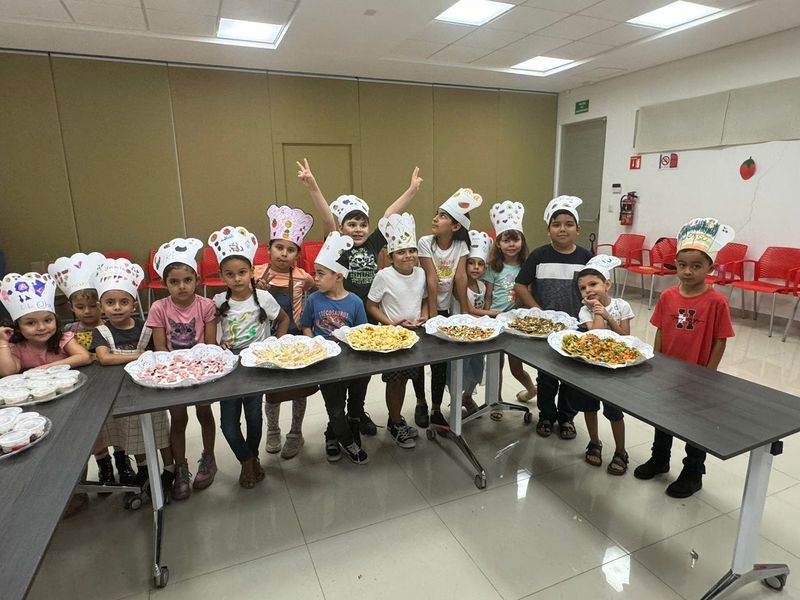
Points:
point(528, 418)
point(480, 481)
point(430, 433)
point(162, 579)
point(133, 502)
point(775, 583)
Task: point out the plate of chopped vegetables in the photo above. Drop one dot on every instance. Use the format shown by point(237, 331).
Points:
point(601, 347)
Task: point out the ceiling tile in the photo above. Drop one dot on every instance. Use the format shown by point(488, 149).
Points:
point(101, 14)
point(201, 7)
point(576, 27)
point(526, 19)
point(605, 72)
point(266, 11)
point(579, 50)
point(492, 39)
point(561, 5)
point(459, 54)
point(442, 33)
point(415, 49)
point(528, 47)
point(163, 21)
point(619, 35)
point(47, 10)
point(622, 10)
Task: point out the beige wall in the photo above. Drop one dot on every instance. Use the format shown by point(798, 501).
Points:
point(102, 155)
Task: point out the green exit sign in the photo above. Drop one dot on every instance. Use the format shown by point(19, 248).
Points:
point(582, 106)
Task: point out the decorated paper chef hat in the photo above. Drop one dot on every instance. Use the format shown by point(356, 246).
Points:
point(330, 256)
point(603, 264)
point(344, 205)
point(118, 274)
point(460, 203)
point(567, 203)
point(480, 245)
point(76, 272)
point(705, 234)
point(507, 216)
point(179, 250)
point(399, 230)
point(24, 294)
point(287, 223)
point(233, 241)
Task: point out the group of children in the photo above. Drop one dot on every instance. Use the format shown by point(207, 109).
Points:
point(452, 270)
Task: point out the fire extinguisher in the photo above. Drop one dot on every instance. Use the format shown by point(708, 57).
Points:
point(627, 206)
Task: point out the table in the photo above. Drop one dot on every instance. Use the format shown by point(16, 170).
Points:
point(31, 506)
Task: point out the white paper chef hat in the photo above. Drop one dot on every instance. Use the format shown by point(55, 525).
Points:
point(179, 250)
point(287, 223)
point(480, 245)
point(76, 272)
point(233, 241)
point(330, 255)
point(460, 203)
point(399, 230)
point(24, 294)
point(344, 205)
point(118, 274)
point(603, 264)
point(507, 216)
point(567, 203)
point(705, 234)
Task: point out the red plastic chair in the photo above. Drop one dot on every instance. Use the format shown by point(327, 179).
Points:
point(209, 267)
point(795, 291)
point(777, 263)
point(662, 262)
point(262, 255)
point(308, 254)
point(730, 267)
point(628, 248)
point(154, 281)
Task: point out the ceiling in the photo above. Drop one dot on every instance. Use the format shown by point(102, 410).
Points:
point(390, 39)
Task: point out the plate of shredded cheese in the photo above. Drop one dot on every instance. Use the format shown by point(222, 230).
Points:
point(377, 338)
point(288, 352)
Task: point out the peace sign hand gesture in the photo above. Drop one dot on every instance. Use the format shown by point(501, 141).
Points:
point(305, 175)
point(416, 180)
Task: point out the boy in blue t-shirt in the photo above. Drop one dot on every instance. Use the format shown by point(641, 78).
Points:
point(326, 310)
point(547, 281)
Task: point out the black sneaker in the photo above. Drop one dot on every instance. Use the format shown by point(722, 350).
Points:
point(356, 454)
point(685, 485)
point(127, 476)
point(366, 425)
point(437, 418)
point(105, 473)
point(402, 434)
point(332, 451)
point(421, 415)
point(651, 468)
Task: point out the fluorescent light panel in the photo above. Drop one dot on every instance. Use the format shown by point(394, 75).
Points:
point(674, 14)
point(250, 31)
point(474, 12)
point(542, 64)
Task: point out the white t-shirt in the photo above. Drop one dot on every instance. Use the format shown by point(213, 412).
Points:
point(241, 327)
point(445, 263)
point(618, 309)
point(478, 299)
point(399, 296)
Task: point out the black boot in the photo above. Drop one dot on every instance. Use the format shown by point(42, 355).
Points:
point(127, 476)
point(105, 472)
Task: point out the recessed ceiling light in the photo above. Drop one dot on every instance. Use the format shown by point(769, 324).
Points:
point(474, 12)
point(542, 64)
point(250, 31)
point(674, 14)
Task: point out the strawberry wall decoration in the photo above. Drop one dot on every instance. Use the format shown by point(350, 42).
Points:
point(747, 169)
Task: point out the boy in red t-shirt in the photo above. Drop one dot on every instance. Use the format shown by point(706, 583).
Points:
point(693, 323)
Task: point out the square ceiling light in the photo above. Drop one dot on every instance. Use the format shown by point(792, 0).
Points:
point(674, 14)
point(249, 31)
point(542, 65)
point(474, 12)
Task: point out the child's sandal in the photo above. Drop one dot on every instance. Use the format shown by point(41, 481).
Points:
point(618, 464)
point(247, 478)
point(566, 430)
point(594, 454)
point(496, 415)
point(544, 427)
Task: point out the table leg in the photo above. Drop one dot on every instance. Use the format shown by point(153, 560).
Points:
point(744, 570)
point(492, 394)
point(160, 573)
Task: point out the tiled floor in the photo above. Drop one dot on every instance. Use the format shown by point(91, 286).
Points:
point(411, 524)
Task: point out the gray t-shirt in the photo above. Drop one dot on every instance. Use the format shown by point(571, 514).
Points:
point(551, 277)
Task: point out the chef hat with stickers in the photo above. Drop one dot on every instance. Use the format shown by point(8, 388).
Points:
point(233, 241)
point(179, 250)
point(287, 223)
point(603, 264)
point(344, 205)
point(567, 203)
point(507, 216)
point(460, 203)
point(24, 294)
point(400, 232)
point(118, 274)
point(332, 255)
point(480, 245)
point(75, 273)
point(705, 234)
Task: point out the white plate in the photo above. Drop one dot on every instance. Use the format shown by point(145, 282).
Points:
point(551, 315)
point(82, 379)
point(48, 426)
point(341, 334)
point(151, 359)
point(248, 357)
point(555, 338)
point(432, 326)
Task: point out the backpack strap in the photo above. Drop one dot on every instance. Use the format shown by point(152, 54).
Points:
point(144, 339)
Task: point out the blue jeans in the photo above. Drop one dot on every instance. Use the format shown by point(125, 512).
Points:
point(230, 413)
point(473, 373)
